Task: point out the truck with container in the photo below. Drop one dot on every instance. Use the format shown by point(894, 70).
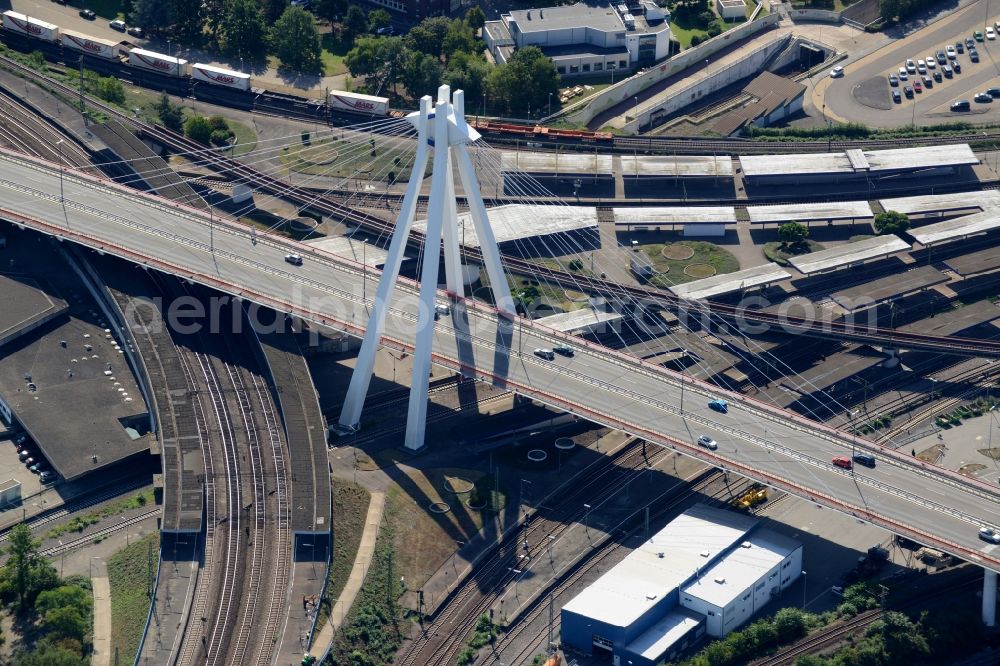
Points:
point(92, 46)
point(157, 62)
point(31, 27)
point(218, 76)
point(358, 103)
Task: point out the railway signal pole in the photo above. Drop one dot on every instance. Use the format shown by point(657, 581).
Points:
point(444, 130)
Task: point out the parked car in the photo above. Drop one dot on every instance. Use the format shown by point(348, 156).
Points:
point(46, 476)
point(864, 459)
point(973, 55)
point(917, 86)
point(950, 50)
point(929, 61)
point(960, 47)
point(960, 105)
point(910, 67)
point(837, 72)
point(893, 80)
point(947, 71)
point(941, 57)
point(843, 461)
point(978, 35)
point(937, 76)
point(896, 96)
point(294, 259)
point(928, 82)
point(23, 454)
point(903, 76)
point(563, 350)
point(118, 25)
point(993, 92)
point(989, 534)
point(990, 33)
point(37, 468)
point(708, 443)
point(547, 354)
point(957, 66)
point(983, 98)
point(88, 14)
point(136, 31)
point(908, 91)
point(969, 43)
point(29, 461)
point(20, 438)
point(921, 67)
point(719, 405)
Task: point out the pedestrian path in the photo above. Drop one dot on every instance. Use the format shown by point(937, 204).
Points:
point(323, 639)
point(102, 615)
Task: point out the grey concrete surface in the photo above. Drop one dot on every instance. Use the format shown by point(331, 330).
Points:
point(602, 386)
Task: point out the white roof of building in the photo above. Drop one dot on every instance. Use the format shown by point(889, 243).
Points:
point(730, 282)
point(741, 568)
point(868, 161)
point(535, 162)
point(943, 203)
point(677, 166)
point(675, 215)
point(352, 248)
point(849, 253)
point(598, 16)
point(657, 639)
point(688, 543)
point(577, 320)
point(521, 221)
point(809, 212)
point(958, 227)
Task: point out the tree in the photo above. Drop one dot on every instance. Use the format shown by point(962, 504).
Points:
point(47, 653)
point(64, 596)
point(199, 129)
point(331, 10)
point(214, 11)
point(67, 622)
point(459, 39)
point(381, 60)
point(170, 114)
point(428, 35)
point(378, 18)
point(153, 15)
point(273, 9)
point(111, 89)
point(891, 222)
point(355, 22)
point(189, 22)
point(422, 74)
point(475, 17)
point(790, 624)
point(242, 31)
point(295, 40)
point(793, 233)
point(26, 573)
point(523, 82)
point(467, 72)
point(904, 639)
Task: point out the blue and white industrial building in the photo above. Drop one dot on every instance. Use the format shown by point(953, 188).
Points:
point(707, 572)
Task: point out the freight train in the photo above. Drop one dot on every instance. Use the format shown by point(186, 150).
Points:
point(226, 87)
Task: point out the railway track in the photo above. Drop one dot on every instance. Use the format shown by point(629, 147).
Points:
point(477, 593)
point(102, 533)
point(241, 172)
point(666, 502)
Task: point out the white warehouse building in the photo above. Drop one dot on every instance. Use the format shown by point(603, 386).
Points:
point(585, 38)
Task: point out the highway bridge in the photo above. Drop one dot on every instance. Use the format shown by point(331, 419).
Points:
point(929, 504)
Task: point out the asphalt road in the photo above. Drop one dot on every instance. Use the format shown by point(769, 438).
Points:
point(601, 385)
point(844, 102)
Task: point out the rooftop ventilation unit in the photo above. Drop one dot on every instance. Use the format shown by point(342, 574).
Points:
point(705, 553)
point(720, 581)
point(660, 555)
point(745, 544)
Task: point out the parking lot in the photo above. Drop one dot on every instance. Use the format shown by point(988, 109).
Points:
point(13, 468)
point(864, 91)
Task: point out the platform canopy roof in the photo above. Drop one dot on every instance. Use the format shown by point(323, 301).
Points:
point(727, 283)
point(847, 254)
point(959, 227)
point(810, 212)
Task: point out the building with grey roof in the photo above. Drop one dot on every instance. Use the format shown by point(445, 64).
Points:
point(641, 609)
point(585, 38)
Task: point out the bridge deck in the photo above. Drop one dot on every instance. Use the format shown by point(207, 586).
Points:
point(934, 506)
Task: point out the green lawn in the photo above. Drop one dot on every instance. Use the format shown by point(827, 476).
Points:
point(246, 138)
point(350, 506)
point(684, 32)
point(127, 573)
point(672, 270)
point(333, 54)
point(78, 523)
point(774, 251)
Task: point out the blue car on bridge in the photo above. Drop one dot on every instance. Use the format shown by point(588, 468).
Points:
point(719, 406)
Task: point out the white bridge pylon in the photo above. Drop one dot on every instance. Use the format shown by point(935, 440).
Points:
point(444, 129)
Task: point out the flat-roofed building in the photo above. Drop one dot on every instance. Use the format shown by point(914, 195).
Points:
point(636, 610)
point(585, 38)
point(534, 230)
point(857, 164)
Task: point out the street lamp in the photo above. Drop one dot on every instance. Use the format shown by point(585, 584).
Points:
point(550, 104)
point(62, 197)
point(685, 353)
point(454, 565)
point(586, 519)
point(804, 581)
point(364, 269)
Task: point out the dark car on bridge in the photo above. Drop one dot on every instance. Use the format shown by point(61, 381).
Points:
point(719, 406)
point(864, 459)
point(961, 105)
point(563, 350)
